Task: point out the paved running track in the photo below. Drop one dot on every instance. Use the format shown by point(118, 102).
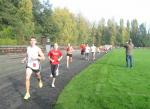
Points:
point(12, 78)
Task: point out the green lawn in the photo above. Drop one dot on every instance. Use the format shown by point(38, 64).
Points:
point(108, 84)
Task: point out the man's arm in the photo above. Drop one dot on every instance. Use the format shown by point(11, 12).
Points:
point(24, 59)
point(50, 59)
point(41, 55)
point(125, 46)
point(60, 58)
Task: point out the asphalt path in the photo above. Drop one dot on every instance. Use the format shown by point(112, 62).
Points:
point(12, 82)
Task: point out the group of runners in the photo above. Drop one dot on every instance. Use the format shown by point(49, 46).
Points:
point(85, 51)
point(34, 56)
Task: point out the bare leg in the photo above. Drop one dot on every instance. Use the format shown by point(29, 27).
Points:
point(67, 61)
point(70, 59)
point(39, 79)
point(57, 70)
point(53, 82)
point(27, 82)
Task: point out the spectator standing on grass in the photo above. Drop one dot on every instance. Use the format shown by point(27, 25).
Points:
point(129, 53)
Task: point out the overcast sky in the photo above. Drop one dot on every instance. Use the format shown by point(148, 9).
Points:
point(94, 10)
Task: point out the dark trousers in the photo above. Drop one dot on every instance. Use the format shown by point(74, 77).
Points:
point(129, 61)
point(53, 69)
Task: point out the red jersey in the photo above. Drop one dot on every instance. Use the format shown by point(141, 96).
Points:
point(82, 47)
point(54, 55)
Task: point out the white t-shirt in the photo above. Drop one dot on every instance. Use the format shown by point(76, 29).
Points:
point(87, 49)
point(93, 49)
point(32, 55)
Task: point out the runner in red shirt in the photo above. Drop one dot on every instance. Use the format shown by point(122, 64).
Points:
point(82, 48)
point(54, 56)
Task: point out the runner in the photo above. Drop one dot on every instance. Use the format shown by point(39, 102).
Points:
point(87, 51)
point(33, 56)
point(93, 50)
point(54, 57)
point(57, 70)
point(82, 48)
point(69, 51)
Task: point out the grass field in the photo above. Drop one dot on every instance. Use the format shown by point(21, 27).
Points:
point(108, 84)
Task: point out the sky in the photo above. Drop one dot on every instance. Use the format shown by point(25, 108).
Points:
point(94, 10)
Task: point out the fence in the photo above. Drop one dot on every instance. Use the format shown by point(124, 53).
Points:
point(14, 49)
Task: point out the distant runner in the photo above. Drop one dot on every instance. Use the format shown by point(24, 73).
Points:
point(87, 52)
point(93, 51)
point(82, 48)
point(69, 51)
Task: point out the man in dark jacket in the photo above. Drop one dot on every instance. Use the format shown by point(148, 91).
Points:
point(129, 53)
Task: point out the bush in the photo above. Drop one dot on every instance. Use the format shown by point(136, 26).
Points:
point(8, 41)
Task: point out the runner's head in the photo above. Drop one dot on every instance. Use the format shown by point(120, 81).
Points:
point(55, 46)
point(68, 44)
point(32, 41)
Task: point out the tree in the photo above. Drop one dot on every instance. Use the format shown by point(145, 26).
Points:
point(44, 23)
point(134, 31)
point(123, 33)
point(100, 31)
point(142, 33)
point(65, 21)
point(111, 32)
point(26, 16)
point(128, 30)
point(122, 29)
point(8, 21)
point(83, 28)
point(37, 10)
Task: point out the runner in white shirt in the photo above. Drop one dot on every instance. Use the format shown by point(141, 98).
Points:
point(93, 50)
point(87, 51)
point(33, 57)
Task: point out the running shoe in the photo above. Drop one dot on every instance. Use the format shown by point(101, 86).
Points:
point(57, 72)
point(27, 96)
point(51, 75)
point(40, 84)
point(53, 85)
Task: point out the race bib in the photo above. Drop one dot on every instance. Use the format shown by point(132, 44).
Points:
point(34, 64)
